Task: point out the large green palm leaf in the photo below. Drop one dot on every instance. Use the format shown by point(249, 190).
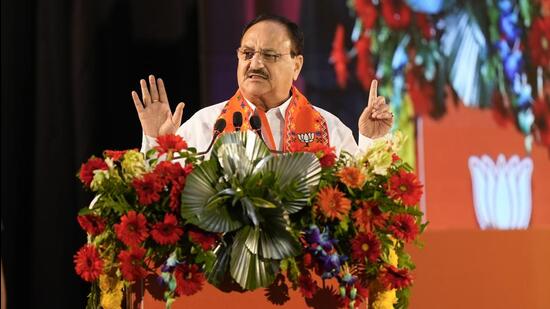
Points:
point(247, 192)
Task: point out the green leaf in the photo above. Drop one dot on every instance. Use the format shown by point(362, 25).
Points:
point(216, 274)
point(251, 211)
point(525, 10)
point(150, 153)
point(344, 224)
point(255, 148)
point(262, 203)
point(252, 240)
point(85, 211)
point(297, 173)
point(200, 187)
point(205, 257)
point(276, 242)
point(248, 270)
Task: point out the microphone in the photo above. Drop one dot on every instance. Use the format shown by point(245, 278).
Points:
point(219, 126)
point(237, 121)
point(256, 125)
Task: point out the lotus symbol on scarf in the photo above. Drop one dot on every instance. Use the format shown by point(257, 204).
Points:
point(306, 137)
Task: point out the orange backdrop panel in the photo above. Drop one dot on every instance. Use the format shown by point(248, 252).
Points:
point(448, 144)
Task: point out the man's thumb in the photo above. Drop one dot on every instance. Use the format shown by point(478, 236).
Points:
point(176, 118)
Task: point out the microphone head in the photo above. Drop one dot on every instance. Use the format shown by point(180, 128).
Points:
point(219, 126)
point(237, 120)
point(255, 123)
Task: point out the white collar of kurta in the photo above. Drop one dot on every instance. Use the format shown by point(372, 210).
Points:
point(282, 108)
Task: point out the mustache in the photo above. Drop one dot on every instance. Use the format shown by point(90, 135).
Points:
point(260, 72)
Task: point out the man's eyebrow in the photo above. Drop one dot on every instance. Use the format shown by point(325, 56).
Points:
point(269, 49)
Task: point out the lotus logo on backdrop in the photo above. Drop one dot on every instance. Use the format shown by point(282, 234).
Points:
point(501, 191)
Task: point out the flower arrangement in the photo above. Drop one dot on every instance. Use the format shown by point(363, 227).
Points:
point(250, 217)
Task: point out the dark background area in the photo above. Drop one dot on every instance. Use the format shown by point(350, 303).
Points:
point(68, 68)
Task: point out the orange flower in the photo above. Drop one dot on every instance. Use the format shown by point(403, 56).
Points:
point(332, 203)
point(369, 216)
point(352, 177)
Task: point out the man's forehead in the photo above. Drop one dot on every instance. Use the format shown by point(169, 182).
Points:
point(267, 33)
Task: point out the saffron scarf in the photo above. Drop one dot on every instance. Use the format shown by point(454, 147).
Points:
point(304, 126)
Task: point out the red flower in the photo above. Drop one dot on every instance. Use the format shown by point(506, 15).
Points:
point(308, 286)
point(170, 143)
point(539, 42)
point(92, 224)
point(367, 13)
point(332, 203)
point(339, 56)
point(206, 240)
point(365, 245)
point(406, 187)
point(132, 229)
point(421, 91)
point(501, 114)
point(148, 188)
point(369, 216)
point(541, 109)
point(396, 14)
point(395, 157)
point(167, 232)
point(189, 280)
point(87, 169)
point(308, 260)
point(426, 27)
point(131, 264)
point(393, 278)
point(326, 154)
point(175, 197)
point(88, 263)
point(169, 172)
point(364, 69)
point(116, 155)
point(404, 227)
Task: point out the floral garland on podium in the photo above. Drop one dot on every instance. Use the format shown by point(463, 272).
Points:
point(250, 217)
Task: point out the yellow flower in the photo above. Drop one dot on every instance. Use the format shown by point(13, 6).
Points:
point(100, 176)
point(385, 300)
point(111, 291)
point(378, 157)
point(392, 255)
point(397, 141)
point(111, 300)
point(104, 177)
point(133, 164)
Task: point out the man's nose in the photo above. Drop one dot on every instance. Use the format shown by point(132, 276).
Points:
point(256, 61)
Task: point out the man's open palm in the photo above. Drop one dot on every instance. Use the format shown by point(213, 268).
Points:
point(154, 110)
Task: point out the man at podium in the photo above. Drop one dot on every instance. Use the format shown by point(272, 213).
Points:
point(270, 57)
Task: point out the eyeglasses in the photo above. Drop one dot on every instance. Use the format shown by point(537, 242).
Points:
point(246, 54)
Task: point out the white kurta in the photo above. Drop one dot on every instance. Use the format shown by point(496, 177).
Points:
point(199, 129)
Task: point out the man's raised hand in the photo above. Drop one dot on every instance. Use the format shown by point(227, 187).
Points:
point(154, 110)
point(376, 119)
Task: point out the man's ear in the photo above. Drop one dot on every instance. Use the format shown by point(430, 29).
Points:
point(298, 63)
